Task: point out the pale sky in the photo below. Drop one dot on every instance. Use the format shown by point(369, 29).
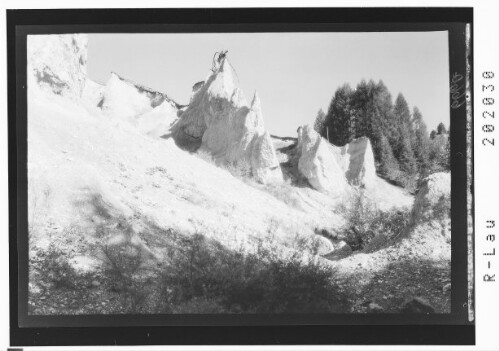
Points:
point(295, 74)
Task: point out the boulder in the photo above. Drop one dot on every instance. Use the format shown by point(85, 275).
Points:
point(322, 245)
point(331, 169)
point(416, 305)
point(219, 121)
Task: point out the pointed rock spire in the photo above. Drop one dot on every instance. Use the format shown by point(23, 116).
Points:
point(220, 120)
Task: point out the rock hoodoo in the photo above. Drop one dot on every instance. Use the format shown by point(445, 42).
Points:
point(331, 169)
point(219, 120)
point(318, 163)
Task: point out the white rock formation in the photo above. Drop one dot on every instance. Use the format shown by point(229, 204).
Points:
point(332, 169)
point(319, 164)
point(219, 120)
point(93, 93)
point(157, 122)
point(58, 62)
point(127, 100)
point(358, 162)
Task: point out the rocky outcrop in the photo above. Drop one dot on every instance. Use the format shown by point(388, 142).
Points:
point(125, 99)
point(219, 121)
point(58, 62)
point(93, 93)
point(332, 169)
point(157, 123)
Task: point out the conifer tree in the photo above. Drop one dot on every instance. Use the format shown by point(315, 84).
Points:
point(337, 125)
point(388, 165)
point(319, 121)
point(402, 146)
point(421, 142)
point(441, 129)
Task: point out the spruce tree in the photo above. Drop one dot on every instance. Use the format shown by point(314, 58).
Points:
point(337, 125)
point(361, 107)
point(388, 165)
point(319, 121)
point(441, 129)
point(371, 109)
point(402, 146)
point(381, 115)
point(421, 142)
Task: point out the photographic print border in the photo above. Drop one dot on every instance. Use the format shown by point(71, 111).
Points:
point(233, 329)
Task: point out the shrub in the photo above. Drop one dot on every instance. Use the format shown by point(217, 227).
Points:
point(127, 279)
point(203, 276)
point(364, 222)
point(56, 267)
point(402, 179)
point(123, 268)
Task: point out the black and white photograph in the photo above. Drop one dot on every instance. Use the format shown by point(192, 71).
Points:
point(239, 173)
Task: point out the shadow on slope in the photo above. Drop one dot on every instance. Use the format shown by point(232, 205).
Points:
point(185, 274)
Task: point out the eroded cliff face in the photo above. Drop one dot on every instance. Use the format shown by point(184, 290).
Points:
point(58, 63)
point(220, 121)
point(332, 169)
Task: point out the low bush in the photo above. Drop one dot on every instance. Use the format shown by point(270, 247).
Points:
point(410, 182)
point(198, 275)
point(123, 270)
point(55, 266)
point(203, 276)
point(364, 222)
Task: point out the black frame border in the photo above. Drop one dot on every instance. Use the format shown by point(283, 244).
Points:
point(375, 329)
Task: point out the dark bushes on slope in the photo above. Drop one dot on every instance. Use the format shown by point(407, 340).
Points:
point(368, 228)
point(206, 278)
point(198, 275)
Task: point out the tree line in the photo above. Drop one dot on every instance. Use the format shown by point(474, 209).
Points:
point(403, 149)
